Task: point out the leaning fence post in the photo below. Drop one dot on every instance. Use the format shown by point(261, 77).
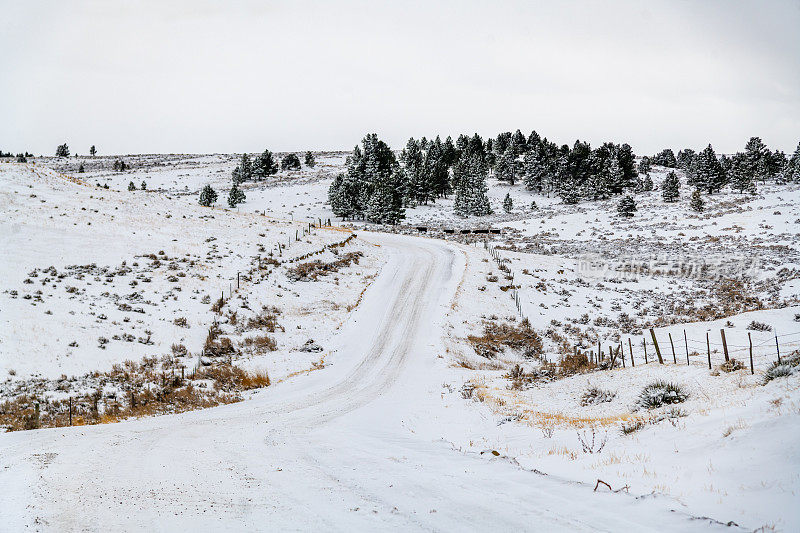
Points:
point(750, 339)
point(724, 344)
point(778, 348)
point(630, 349)
point(655, 343)
point(686, 343)
point(708, 346)
point(674, 359)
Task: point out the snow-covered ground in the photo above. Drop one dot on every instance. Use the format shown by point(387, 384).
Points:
point(404, 424)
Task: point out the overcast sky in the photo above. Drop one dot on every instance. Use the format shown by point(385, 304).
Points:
point(197, 76)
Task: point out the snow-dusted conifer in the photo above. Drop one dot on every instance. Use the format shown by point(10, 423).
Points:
point(207, 196)
point(670, 187)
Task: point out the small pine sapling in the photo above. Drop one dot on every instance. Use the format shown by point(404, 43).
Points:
point(626, 207)
point(207, 196)
point(697, 203)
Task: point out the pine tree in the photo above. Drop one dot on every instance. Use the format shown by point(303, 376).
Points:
point(290, 162)
point(343, 197)
point(791, 172)
point(131, 186)
point(708, 174)
point(665, 158)
point(81, 170)
point(626, 206)
point(144, 186)
point(243, 171)
point(508, 203)
point(644, 183)
point(372, 168)
point(471, 198)
point(741, 177)
point(697, 203)
point(436, 167)
point(62, 150)
point(382, 207)
point(644, 165)
point(92, 151)
point(506, 165)
point(415, 190)
point(757, 159)
point(235, 196)
point(264, 165)
point(670, 187)
point(207, 196)
point(309, 160)
point(685, 158)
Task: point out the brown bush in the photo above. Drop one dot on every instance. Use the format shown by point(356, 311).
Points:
point(496, 337)
point(266, 320)
point(228, 378)
point(260, 344)
point(311, 270)
point(574, 363)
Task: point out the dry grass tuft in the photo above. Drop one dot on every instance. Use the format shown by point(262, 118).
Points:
point(496, 337)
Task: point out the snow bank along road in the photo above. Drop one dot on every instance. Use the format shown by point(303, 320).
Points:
point(357, 445)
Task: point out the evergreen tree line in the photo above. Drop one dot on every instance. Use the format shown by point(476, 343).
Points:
point(377, 186)
point(22, 157)
point(431, 169)
point(741, 171)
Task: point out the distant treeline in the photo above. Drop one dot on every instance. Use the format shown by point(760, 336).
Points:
point(377, 186)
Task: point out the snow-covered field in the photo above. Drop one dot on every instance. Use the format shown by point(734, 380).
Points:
point(401, 423)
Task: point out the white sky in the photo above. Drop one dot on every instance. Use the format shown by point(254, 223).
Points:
point(199, 76)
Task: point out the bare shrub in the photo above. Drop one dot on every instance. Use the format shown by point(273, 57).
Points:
point(496, 337)
point(259, 344)
point(312, 270)
point(179, 350)
point(594, 396)
point(574, 363)
point(731, 365)
point(759, 326)
point(661, 393)
point(630, 427)
point(593, 445)
point(266, 320)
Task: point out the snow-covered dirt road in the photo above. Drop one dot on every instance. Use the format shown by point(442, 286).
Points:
point(357, 445)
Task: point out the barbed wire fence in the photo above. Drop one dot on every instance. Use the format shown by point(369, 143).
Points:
point(661, 347)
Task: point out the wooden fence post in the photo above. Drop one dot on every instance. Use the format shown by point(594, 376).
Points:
point(599, 352)
point(644, 343)
point(622, 354)
point(70, 410)
point(674, 359)
point(778, 348)
point(655, 343)
point(750, 339)
point(708, 346)
point(630, 349)
point(686, 343)
point(724, 344)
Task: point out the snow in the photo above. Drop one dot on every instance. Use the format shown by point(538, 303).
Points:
point(374, 431)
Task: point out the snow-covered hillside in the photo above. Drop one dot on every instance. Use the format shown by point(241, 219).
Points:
point(411, 376)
